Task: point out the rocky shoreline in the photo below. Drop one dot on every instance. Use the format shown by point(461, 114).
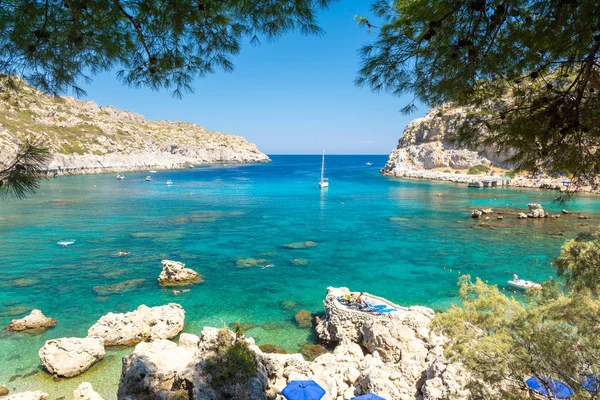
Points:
point(84, 138)
point(395, 355)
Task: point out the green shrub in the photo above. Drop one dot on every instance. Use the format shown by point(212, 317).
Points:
point(233, 366)
point(511, 173)
point(478, 169)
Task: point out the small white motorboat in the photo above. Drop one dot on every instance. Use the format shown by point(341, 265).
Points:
point(522, 284)
point(169, 182)
point(65, 243)
point(369, 163)
point(148, 179)
point(120, 177)
point(152, 172)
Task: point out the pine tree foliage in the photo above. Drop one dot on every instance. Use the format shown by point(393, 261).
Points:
point(553, 332)
point(531, 69)
point(54, 44)
point(21, 176)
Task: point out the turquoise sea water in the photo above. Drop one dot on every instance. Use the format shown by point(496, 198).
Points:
point(401, 239)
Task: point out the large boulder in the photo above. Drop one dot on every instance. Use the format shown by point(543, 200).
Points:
point(154, 368)
point(174, 273)
point(143, 324)
point(35, 321)
point(36, 395)
point(536, 211)
point(85, 392)
point(67, 357)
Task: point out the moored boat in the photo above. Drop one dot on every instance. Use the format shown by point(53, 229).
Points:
point(523, 284)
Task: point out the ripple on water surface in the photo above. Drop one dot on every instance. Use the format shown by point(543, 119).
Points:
point(267, 241)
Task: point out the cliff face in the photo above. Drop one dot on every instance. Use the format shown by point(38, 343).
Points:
point(427, 143)
point(85, 138)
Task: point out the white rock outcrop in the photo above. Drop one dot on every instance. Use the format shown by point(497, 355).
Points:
point(428, 143)
point(85, 392)
point(393, 355)
point(536, 211)
point(68, 357)
point(175, 273)
point(143, 324)
point(34, 321)
point(34, 395)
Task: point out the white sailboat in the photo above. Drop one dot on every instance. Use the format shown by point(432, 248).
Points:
point(323, 183)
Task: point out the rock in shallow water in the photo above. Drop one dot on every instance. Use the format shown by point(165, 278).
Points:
point(86, 392)
point(175, 273)
point(143, 324)
point(34, 321)
point(68, 357)
point(37, 395)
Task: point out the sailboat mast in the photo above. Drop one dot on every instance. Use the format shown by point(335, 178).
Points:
point(323, 166)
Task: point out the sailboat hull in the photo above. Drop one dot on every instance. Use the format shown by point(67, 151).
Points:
point(323, 184)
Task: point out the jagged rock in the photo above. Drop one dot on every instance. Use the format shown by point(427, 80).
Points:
point(34, 321)
point(522, 216)
point(85, 392)
point(476, 214)
point(36, 395)
point(67, 357)
point(583, 217)
point(86, 137)
point(3, 390)
point(499, 217)
point(487, 211)
point(175, 273)
point(536, 211)
point(566, 212)
point(154, 368)
point(428, 143)
point(394, 355)
point(143, 324)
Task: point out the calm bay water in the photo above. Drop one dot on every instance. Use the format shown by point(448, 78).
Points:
point(404, 240)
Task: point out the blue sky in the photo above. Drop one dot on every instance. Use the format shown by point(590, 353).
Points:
point(292, 96)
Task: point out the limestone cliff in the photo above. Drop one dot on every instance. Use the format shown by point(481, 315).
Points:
point(85, 138)
point(428, 143)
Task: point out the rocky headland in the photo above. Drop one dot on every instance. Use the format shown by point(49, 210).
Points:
point(84, 138)
point(427, 149)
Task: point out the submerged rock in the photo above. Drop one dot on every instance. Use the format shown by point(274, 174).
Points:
point(85, 392)
point(304, 319)
point(36, 395)
point(300, 245)
point(312, 351)
point(143, 324)
point(122, 287)
point(476, 214)
point(249, 262)
point(68, 357)
point(299, 261)
point(34, 321)
point(271, 348)
point(288, 304)
point(522, 216)
point(175, 273)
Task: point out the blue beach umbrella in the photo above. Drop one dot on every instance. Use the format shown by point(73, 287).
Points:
point(591, 383)
point(558, 389)
point(369, 396)
point(303, 390)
